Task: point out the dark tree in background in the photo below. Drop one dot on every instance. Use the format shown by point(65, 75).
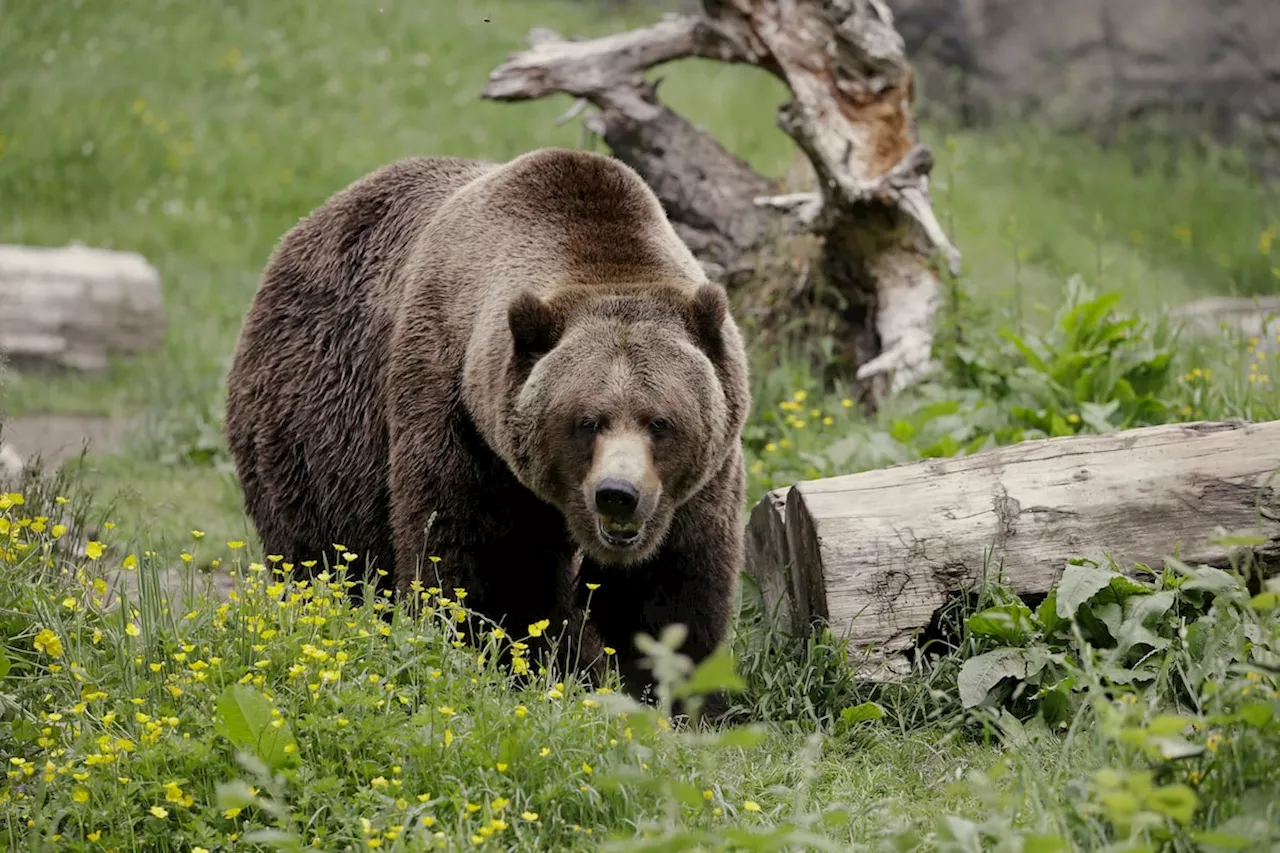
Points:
point(867, 219)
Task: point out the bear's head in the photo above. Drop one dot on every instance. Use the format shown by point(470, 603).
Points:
point(625, 404)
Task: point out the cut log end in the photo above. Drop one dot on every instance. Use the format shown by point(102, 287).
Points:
point(768, 561)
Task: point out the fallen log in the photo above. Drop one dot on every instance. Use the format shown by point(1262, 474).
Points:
point(75, 307)
point(876, 554)
point(850, 115)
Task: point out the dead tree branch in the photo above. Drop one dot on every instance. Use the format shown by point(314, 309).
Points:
point(850, 115)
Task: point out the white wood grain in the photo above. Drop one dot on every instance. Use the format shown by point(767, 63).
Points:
point(877, 553)
point(73, 307)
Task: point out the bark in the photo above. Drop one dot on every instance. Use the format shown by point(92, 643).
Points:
point(876, 554)
point(850, 116)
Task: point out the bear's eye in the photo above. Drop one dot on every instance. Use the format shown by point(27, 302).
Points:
point(588, 424)
point(659, 426)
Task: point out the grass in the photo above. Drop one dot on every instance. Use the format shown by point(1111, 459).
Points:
point(285, 718)
point(197, 134)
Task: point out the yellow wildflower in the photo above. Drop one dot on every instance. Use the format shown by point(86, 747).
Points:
point(49, 643)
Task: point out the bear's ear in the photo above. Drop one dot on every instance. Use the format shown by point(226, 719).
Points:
point(705, 316)
point(535, 326)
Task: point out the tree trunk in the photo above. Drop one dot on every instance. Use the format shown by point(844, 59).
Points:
point(876, 554)
point(74, 307)
point(850, 115)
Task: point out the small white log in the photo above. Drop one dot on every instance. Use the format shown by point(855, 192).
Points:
point(876, 554)
point(12, 467)
point(75, 307)
point(1254, 316)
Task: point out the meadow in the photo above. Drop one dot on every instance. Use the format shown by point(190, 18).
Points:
point(283, 718)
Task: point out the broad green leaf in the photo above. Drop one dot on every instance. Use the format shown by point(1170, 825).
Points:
point(714, 673)
point(1239, 539)
point(1168, 724)
point(979, 674)
point(1055, 705)
point(1047, 613)
point(1265, 601)
point(741, 737)
point(1135, 635)
point(1027, 352)
point(1098, 417)
point(1011, 624)
point(688, 794)
point(1080, 583)
point(1124, 675)
point(1175, 801)
point(244, 717)
point(1143, 614)
point(1211, 579)
point(24, 731)
point(1043, 844)
point(276, 839)
point(963, 832)
point(865, 712)
point(1124, 587)
point(1124, 391)
point(902, 431)
point(1109, 614)
point(234, 795)
point(1257, 714)
point(5, 666)
point(1222, 840)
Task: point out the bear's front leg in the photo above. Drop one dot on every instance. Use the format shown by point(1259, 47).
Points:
point(692, 579)
point(488, 535)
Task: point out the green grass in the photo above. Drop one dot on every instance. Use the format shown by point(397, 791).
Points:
point(198, 133)
point(285, 718)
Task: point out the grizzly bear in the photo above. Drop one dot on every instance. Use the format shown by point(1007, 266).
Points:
point(518, 369)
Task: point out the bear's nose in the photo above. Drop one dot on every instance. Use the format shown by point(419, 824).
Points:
point(617, 499)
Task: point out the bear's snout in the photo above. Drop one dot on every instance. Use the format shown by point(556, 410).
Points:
point(623, 490)
point(617, 499)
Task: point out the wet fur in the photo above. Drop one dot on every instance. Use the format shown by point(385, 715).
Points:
point(401, 344)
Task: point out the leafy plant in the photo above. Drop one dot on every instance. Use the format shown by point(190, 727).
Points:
point(1171, 666)
point(1093, 369)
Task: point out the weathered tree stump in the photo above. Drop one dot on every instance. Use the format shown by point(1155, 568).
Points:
point(876, 554)
point(75, 307)
point(850, 115)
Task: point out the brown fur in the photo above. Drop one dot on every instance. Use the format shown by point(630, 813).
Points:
point(478, 341)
